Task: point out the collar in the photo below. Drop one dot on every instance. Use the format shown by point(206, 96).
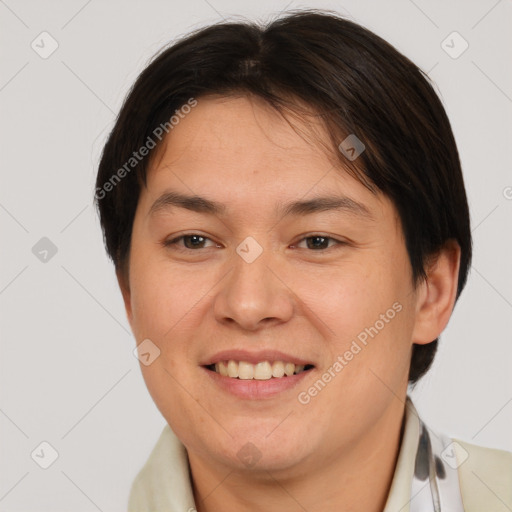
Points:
point(425, 480)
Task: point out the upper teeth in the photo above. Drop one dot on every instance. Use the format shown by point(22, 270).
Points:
point(260, 371)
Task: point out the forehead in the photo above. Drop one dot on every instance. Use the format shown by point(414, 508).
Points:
point(242, 126)
point(241, 146)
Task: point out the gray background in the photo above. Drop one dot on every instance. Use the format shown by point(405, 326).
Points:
point(68, 375)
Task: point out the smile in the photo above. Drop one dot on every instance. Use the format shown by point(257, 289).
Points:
point(264, 370)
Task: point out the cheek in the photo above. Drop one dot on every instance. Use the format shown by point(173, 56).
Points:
point(164, 306)
point(161, 295)
point(349, 299)
point(367, 314)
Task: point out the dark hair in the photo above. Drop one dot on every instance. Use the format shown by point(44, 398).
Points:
point(354, 80)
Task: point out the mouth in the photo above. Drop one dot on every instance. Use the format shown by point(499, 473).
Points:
point(262, 370)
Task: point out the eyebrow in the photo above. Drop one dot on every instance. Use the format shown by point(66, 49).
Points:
point(295, 208)
point(326, 203)
point(192, 203)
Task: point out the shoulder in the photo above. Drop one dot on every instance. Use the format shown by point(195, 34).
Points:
point(163, 483)
point(485, 476)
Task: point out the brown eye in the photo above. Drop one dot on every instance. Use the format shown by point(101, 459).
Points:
point(319, 242)
point(191, 241)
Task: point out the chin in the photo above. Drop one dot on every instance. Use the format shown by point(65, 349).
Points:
point(261, 452)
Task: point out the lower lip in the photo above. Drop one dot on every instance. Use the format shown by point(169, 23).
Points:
point(256, 389)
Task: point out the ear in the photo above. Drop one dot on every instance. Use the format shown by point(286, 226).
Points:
point(124, 286)
point(436, 294)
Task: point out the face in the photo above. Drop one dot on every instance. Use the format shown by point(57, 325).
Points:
point(283, 320)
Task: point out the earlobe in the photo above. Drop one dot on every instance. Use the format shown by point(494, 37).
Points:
point(124, 286)
point(438, 293)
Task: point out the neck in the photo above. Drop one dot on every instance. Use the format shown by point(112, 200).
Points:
point(355, 478)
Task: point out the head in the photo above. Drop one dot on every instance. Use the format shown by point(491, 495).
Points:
point(313, 173)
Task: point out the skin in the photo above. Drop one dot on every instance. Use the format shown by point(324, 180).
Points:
point(313, 303)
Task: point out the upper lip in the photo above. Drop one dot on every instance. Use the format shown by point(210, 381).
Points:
point(254, 357)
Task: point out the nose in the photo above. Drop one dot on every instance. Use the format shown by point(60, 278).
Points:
point(254, 295)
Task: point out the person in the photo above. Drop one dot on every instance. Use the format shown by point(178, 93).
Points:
point(286, 212)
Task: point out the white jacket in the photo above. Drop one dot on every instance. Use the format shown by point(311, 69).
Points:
point(484, 482)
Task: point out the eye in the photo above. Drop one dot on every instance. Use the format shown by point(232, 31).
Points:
point(318, 242)
point(191, 241)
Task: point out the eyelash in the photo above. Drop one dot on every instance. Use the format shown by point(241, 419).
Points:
point(175, 241)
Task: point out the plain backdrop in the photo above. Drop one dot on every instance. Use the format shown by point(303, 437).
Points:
point(68, 375)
